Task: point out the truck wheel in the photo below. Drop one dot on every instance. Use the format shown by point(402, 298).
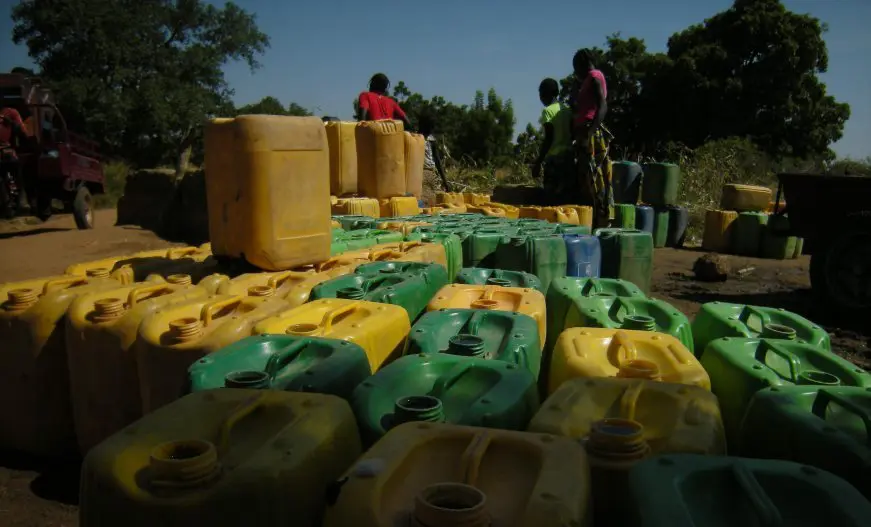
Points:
point(841, 269)
point(82, 209)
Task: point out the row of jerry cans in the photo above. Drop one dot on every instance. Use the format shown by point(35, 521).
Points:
point(667, 225)
point(580, 461)
point(375, 208)
point(750, 233)
point(655, 183)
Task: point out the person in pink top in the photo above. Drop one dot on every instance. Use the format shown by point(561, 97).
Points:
point(590, 106)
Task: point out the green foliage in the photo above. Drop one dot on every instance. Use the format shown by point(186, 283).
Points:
point(115, 177)
point(271, 106)
point(140, 77)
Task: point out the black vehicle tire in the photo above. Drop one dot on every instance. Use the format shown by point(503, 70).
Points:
point(840, 269)
point(83, 211)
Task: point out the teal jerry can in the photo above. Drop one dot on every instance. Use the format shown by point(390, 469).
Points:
point(479, 249)
point(690, 490)
point(646, 314)
point(445, 388)
point(740, 367)
point(568, 228)
point(544, 256)
point(283, 362)
point(497, 335)
point(827, 427)
point(565, 291)
point(481, 276)
point(720, 319)
point(410, 285)
point(453, 250)
point(627, 254)
point(353, 223)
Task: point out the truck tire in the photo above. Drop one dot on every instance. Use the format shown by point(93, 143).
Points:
point(83, 211)
point(840, 269)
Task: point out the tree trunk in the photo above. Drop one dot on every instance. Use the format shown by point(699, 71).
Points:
point(184, 154)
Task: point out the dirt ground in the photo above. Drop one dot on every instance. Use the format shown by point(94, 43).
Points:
point(43, 493)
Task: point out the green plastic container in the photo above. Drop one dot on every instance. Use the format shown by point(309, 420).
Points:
point(829, 428)
point(799, 247)
point(776, 246)
point(543, 256)
point(338, 247)
point(353, 223)
point(283, 362)
point(495, 335)
point(645, 314)
point(479, 249)
point(747, 233)
point(693, 491)
point(721, 319)
point(337, 233)
point(453, 250)
point(365, 238)
point(660, 184)
point(740, 367)
point(567, 228)
point(482, 276)
point(445, 388)
point(660, 228)
point(627, 254)
point(410, 285)
point(566, 291)
point(624, 216)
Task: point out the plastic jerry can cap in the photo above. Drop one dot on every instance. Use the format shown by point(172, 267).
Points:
point(418, 408)
point(247, 379)
point(466, 345)
point(450, 505)
point(20, 299)
point(184, 464)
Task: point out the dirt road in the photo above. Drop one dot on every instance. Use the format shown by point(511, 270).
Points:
point(44, 494)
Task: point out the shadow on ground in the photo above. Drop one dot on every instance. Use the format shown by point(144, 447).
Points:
point(57, 478)
point(32, 232)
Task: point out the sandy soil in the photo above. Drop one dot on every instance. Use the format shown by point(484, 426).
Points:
point(44, 493)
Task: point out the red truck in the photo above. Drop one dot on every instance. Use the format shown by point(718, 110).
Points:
point(55, 163)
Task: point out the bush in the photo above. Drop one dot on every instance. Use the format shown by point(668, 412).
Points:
point(114, 178)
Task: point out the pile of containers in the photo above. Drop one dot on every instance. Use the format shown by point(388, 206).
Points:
point(646, 198)
point(744, 225)
point(449, 369)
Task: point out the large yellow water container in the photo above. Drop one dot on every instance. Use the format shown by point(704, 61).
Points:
point(135, 267)
point(101, 329)
point(174, 338)
point(380, 159)
point(475, 198)
point(399, 206)
point(511, 211)
point(343, 157)
point(584, 212)
point(493, 297)
point(294, 287)
point(744, 197)
point(380, 329)
point(434, 474)
point(450, 198)
point(226, 457)
point(530, 212)
point(677, 418)
point(560, 215)
point(415, 151)
point(601, 352)
point(486, 210)
point(718, 230)
point(357, 207)
point(267, 185)
point(34, 379)
point(452, 208)
point(413, 251)
point(405, 227)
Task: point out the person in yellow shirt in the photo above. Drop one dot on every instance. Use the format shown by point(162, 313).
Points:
point(556, 156)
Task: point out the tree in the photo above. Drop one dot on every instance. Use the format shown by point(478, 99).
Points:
point(139, 76)
point(271, 106)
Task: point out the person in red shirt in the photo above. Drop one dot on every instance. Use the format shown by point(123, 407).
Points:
point(11, 137)
point(375, 104)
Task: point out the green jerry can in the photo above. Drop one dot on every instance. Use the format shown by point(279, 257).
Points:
point(544, 256)
point(365, 238)
point(776, 245)
point(445, 388)
point(690, 490)
point(496, 335)
point(479, 249)
point(740, 367)
point(410, 285)
point(481, 276)
point(627, 254)
point(338, 247)
point(283, 362)
point(566, 291)
point(747, 232)
point(353, 223)
point(660, 227)
point(568, 228)
point(614, 312)
point(624, 216)
point(453, 250)
point(660, 184)
point(827, 427)
point(716, 320)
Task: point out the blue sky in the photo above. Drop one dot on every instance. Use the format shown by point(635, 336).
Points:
point(323, 53)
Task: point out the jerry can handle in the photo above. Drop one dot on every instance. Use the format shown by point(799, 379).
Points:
point(767, 511)
point(327, 321)
point(791, 359)
point(71, 280)
point(825, 397)
point(474, 323)
point(749, 312)
point(207, 313)
point(379, 255)
point(176, 253)
point(283, 356)
point(472, 456)
point(139, 292)
point(629, 399)
point(279, 278)
point(405, 246)
point(241, 412)
point(622, 341)
point(453, 375)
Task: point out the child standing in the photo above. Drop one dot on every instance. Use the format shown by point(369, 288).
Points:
point(556, 155)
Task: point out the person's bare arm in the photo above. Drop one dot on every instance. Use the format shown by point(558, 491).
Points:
point(601, 105)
